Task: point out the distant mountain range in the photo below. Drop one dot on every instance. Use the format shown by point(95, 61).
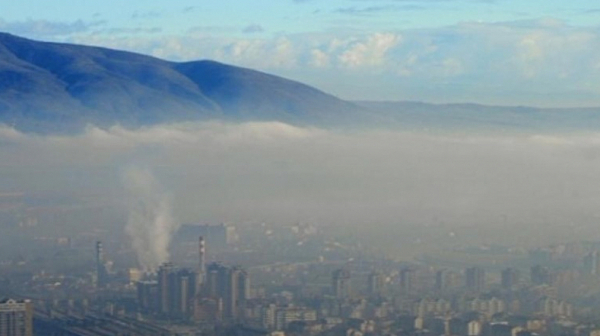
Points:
point(419, 115)
point(55, 87)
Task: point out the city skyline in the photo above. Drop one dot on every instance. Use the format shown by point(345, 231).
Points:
point(300, 168)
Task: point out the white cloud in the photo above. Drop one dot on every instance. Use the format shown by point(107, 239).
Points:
point(520, 62)
point(284, 174)
point(319, 59)
point(48, 29)
point(372, 52)
point(264, 54)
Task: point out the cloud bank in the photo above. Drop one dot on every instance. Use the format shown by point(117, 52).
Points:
point(270, 171)
point(543, 62)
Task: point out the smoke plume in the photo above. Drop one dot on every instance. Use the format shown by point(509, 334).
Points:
point(150, 223)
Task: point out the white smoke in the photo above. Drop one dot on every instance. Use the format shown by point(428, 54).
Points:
point(150, 224)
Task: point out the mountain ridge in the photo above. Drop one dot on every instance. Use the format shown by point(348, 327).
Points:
point(49, 86)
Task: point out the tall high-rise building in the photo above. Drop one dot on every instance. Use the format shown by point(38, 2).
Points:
point(408, 279)
point(16, 318)
point(101, 272)
point(510, 278)
point(147, 295)
point(230, 285)
point(214, 279)
point(475, 279)
point(442, 280)
point(238, 293)
point(184, 292)
point(376, 283)
point(164, 297)
point(541, 275)
point(176, 290)
point(340, 283)
point(591, 263)
point(201, 261)
point(99, 253)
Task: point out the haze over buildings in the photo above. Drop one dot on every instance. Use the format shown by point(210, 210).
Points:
point(300, 167)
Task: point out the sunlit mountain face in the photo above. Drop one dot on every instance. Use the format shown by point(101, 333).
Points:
point(58, 88)
point(49, 86)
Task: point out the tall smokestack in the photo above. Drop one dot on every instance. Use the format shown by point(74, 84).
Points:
point(100, 267)
point(99, 253)
point(201, 260)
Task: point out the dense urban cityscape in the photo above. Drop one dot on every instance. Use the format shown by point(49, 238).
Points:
point(300, 168)
point(257, 279)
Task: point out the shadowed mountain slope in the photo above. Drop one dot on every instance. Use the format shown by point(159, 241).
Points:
point(55, 88)
point(48, 87)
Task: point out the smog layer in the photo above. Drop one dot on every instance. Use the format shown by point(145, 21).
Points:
point(270, 171)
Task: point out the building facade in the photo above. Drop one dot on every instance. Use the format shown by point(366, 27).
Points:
point(16, 318)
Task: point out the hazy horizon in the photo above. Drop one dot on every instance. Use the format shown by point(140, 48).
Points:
point(282, 174)
point(300, 167)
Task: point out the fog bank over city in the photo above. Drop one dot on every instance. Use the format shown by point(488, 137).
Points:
point(274, 172)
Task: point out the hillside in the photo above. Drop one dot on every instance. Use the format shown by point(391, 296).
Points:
point(47, 87)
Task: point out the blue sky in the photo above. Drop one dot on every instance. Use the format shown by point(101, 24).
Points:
point(509, 52)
